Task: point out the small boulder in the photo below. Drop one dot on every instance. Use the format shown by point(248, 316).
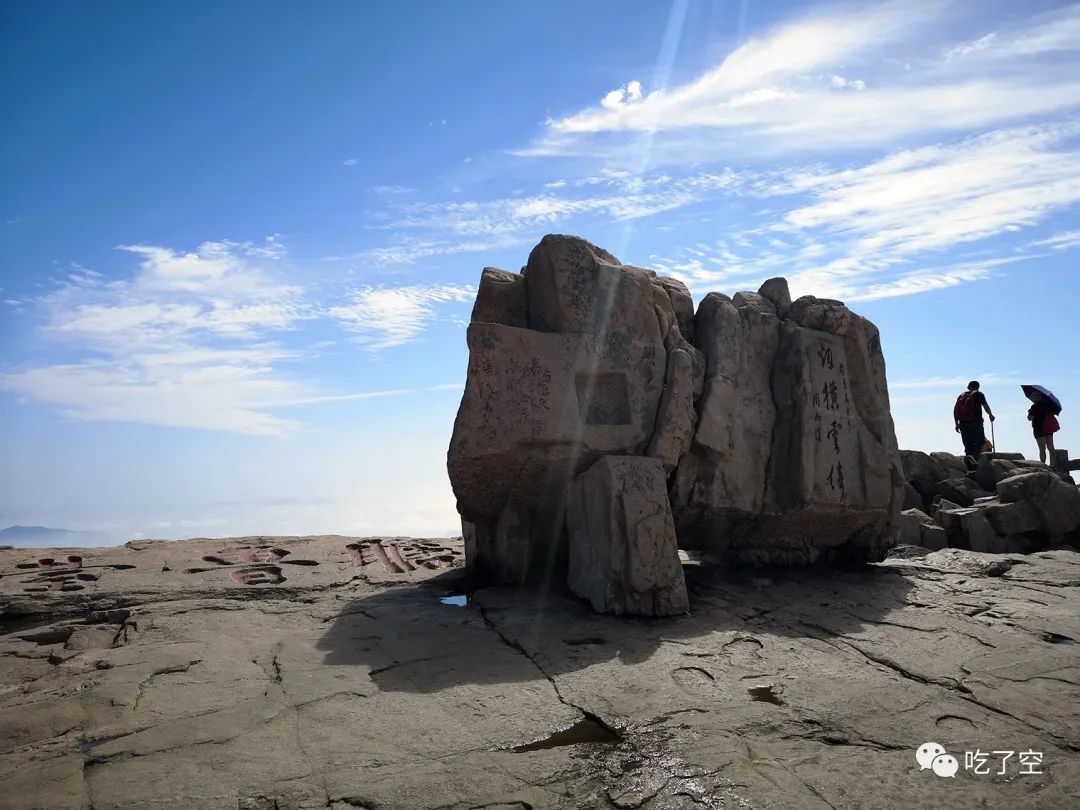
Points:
point(952, 466)
point(918, 529)
point(776, 290)
point(963, 491)
point(501, 299)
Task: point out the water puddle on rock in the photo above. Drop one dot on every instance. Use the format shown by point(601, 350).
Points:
point(765, 694)
point(455, 600)
point(585, 730)
point(1057, 638)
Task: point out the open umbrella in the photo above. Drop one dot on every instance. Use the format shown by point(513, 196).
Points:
point(1046, 392)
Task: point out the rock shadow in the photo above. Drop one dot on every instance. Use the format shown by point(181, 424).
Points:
point(422, 639)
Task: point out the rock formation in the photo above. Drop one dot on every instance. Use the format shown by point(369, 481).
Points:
point(1007, 504)
point(604, 421)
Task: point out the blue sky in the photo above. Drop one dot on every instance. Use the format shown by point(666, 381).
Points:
point(240, 241)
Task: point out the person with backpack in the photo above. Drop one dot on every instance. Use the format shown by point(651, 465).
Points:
point(967, 415)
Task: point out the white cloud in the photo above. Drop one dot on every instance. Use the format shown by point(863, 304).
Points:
point(383, 317)
point(351, 162)
point(980, 44)
point(410, 249)
point(762, 97)
point(880, 229)
point(191, 339)
point(840, 83)
point(1060, 241)
point(391, 190)
point(927, 280)
point(183, 342)
point(989, 378)
point(466, 227)
point(214, 394)
point(940, 196)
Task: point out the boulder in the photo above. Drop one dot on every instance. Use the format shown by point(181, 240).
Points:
point(501, 298)
point(963, 491)
point(1019, 517)
point(991, 469)
point(624, 557)
point(920, 470)
point(977, 532)
point(776, 291)
point(918, 529)
point(1056, 502)
point(576, 288)
point(952, 466)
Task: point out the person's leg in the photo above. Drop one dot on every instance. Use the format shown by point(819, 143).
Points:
point(965, 437)
point(1050, 451)
point(972, 435)
point(1041, 441)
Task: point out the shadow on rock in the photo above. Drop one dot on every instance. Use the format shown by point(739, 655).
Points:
point(442, 634)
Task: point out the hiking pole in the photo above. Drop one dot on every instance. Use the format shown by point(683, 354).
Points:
point(993, 438)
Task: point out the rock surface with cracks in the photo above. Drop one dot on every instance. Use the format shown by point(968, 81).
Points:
point(329, 672)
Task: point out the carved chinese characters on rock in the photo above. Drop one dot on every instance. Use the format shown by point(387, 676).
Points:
point(831, 415)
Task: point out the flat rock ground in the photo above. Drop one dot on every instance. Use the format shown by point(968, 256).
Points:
point(332, 672)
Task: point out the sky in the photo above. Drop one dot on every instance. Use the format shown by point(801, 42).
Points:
point(239, 242)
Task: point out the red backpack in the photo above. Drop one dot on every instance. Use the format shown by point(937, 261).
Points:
point(966, 408)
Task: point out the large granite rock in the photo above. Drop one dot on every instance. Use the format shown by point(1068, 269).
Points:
point(350, 677)
point(795, 459)
point(768, 418)
point(590, 373)
point(624, 557)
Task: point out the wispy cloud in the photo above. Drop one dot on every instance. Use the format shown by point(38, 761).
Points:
point(989, 378)
point(362, 395)
point(383, 317)
point(1060, 241)
point(788, 91)
point(444, 228)
point(880, 229)
point(392, 190)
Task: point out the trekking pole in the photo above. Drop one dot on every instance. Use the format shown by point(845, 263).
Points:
point(993, 438)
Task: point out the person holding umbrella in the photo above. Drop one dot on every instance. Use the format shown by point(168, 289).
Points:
point(1043, 417)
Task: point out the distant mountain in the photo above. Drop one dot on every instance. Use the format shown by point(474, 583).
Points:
point(45, 537)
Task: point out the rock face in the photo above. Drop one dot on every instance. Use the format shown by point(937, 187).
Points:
point(795, 459)
point(769, 420)
point(623, 554)
point(174, 679)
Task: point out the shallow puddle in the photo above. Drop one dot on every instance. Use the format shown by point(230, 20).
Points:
point(1057, 638)
point(765, 694)
point(455, 600)
point(583, 731)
